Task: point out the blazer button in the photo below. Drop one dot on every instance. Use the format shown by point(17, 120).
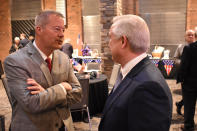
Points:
point(56, 124)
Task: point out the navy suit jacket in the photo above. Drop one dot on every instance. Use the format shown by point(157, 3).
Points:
point(141, 102)
point(188, 72)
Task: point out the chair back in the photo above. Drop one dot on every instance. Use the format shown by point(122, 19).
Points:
point(114, 74)
point(85, 95)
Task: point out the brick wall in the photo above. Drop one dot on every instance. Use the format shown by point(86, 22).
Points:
point(107, 12)
point(5, 29)
point(109, 9)
point(74, 22)
point(191, 14)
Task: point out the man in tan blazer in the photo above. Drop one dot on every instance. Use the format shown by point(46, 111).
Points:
point(41, 96)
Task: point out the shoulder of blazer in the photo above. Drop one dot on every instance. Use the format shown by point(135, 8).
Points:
point(61, 54)
point(193, 44)
point(137, 68)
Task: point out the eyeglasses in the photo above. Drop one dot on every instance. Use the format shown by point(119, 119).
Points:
point(57, 29)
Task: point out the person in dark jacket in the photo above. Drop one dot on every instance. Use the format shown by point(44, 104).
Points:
point(16, 45)
point(189, 38)
point(24, 41)
point(67, 48)
point(187, 75)
point(140, 99)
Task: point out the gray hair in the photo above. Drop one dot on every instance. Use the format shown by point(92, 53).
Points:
point(190, 31)
point(16, 38)
point(42, 18)
point(135, 29)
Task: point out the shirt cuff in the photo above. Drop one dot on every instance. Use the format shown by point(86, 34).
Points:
point(63, 88)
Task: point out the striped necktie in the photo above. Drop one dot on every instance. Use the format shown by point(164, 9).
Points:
point(118, 80)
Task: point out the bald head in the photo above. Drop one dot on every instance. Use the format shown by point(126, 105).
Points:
point(189, 36)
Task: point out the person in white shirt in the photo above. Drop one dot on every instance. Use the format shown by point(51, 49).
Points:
point(41, 79)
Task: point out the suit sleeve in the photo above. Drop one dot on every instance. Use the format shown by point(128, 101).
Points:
point(75, 95)
point(149, 109)
point(17, 76)
point(185, 62)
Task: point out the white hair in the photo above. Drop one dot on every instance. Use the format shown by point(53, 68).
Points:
point(135, 29)
point(190, 31)
point(16, 38)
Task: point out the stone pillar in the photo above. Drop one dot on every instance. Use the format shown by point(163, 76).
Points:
point(191, 14)
point(109, 9)
point(107, 12)
point(5, 29)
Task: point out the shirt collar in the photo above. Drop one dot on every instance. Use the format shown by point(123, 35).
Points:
point(41, 53)
point(131, 64)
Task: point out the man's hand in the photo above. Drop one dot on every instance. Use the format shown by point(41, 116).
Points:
point(67, 86)
point(34, 87)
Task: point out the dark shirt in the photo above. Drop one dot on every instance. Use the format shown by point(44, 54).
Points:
point(14, 48)
point(67, 48)
point(24, 42)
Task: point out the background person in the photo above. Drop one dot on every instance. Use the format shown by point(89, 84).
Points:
point(141, 99)
point(32, 35)
point(187, 75)
point(16, 45)
point(67, 48)
point(42, 91)
point(189, 38)
point(24, 41)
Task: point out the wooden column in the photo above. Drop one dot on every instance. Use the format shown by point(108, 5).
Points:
point(48, 4)
point(5, 28)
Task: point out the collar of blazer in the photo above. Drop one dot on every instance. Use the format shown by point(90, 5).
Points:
point(124, 83)
point(37, 58)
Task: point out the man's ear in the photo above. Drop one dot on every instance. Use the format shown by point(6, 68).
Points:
point(38, 29)
point(124, 41)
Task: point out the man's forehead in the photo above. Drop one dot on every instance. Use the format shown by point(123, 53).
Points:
point(59, 21)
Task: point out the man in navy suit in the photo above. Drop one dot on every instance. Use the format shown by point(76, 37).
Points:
point(187, 75)
point(141, 101)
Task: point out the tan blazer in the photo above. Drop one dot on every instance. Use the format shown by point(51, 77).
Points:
point(46, 110)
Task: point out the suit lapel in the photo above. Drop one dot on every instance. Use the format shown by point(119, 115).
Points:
point(55, 68)
point(113, 96)
point(37, 58)
point(124, 84)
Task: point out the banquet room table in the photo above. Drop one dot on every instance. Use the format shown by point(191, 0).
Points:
point(167, 67)
point(98, 93)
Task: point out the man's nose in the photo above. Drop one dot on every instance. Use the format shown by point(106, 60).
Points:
point(61, 33)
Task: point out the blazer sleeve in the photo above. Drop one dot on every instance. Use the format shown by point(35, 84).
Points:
point(75, 95)
point(184, 66)
point(149, 108)
point(17, 75)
